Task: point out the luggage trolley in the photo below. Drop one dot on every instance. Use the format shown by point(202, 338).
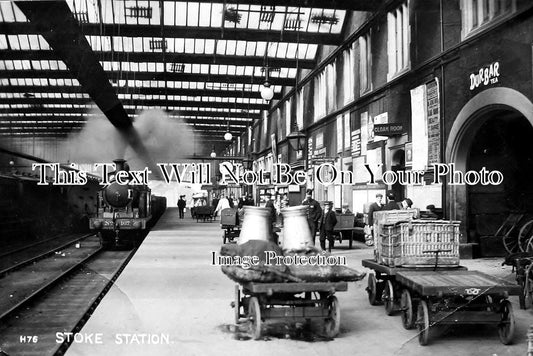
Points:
point(264, 302)
point(229, 222)
point(443, 295)
point(458, 297)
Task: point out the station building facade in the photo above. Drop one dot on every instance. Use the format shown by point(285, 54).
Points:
point(418, 83)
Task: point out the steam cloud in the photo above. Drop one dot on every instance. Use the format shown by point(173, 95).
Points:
point(166, 140)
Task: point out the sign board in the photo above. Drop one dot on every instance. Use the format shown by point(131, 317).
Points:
point(356, 143)
point(433, 121)
point(380, 119)
point(388, 129)
point(486, 75)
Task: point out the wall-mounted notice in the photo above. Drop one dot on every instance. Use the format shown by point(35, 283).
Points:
point(433, 112)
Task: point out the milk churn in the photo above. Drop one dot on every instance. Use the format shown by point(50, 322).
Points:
point(296, 234)
point(256, 225)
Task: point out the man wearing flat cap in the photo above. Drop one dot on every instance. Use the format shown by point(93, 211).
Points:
point(327, 223)
point(314, 212)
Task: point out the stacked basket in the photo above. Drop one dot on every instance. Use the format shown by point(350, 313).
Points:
point(388, 217)
point(419, 243)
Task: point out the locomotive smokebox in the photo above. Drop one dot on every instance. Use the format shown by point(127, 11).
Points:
point(117, 195)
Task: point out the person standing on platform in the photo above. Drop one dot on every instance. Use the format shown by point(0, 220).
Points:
point(182, 204)
point(223, 203)
point(405, 204)
point(391, 202)
point(314, 212)
point(272, 216)
point(327, 223)
point(214, 204)
point(270, 205)
point(249, 201)
point(369, 229)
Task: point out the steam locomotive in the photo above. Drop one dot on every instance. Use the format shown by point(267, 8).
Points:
point(125, 213)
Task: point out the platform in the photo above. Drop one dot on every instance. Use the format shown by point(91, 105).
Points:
point(171, 291)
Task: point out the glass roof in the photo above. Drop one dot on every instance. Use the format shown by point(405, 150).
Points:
point(183, 57)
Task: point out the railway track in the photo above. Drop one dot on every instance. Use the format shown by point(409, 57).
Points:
point(55, 295)
point(22, 256)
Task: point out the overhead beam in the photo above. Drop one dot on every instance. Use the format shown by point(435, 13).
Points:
point(238, 34)
point(64, 134)
point(355, 5)
point(60, 126)
point(141, 90)
point(168, 76)
point(213, 121)
point(138, 102)
point(37, 110)
point(195, 58)
point(61, 30)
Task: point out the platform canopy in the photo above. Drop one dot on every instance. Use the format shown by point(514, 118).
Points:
point(203, 61)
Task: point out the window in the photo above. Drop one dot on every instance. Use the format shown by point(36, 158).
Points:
point(300, 109)
point(288, 125)
point(398, 40)
point(340, 135)
point(479, 13)
point(324, 100)
point(265, 123)
point(365, 64)
point(349, 74)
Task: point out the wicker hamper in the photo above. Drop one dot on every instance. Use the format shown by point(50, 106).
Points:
point(411, 243)
point(388, 217)
point(389, 242)
point(421, 237)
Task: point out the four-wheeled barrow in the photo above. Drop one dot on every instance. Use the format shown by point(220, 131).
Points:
point(261, 303)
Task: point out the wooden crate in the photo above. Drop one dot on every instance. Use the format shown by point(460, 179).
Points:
point(407, 244)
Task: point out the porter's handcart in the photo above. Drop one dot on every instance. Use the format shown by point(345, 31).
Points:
point(229, 222)
point(261, 303)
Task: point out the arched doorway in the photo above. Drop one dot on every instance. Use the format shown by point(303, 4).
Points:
point(398, 164)
point(494, 130)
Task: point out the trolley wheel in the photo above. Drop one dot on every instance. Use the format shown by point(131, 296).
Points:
point(254, 316)
point(388, 297)
point(408, 313)
point(527, 292)
point(333, 321)
point(423, 323)
point(529, 245)
point(237, 304)
point(507, 323)
point(372, 290)
point(525, 234)
point(510, 243)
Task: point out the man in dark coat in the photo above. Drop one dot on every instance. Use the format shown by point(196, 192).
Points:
point(270, 205)
point(314, 212)
point(214, 204)
point(327, 223)
point(375, 206)
point(391, 202)
point(181, 206)
point(249, 201)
